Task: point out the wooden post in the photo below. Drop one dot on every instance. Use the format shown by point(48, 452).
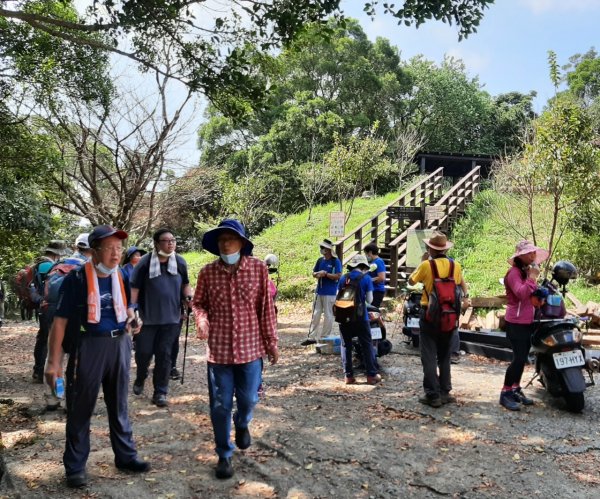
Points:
point(339, 251)
point(358, 243)
point(374, 229)
point(394, 267)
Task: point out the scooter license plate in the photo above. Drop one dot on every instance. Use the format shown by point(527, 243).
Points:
point(562, 360)
point(375, 333)
point(412, 322)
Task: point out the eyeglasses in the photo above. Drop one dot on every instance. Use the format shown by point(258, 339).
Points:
point(111, 249)
point(168, 241)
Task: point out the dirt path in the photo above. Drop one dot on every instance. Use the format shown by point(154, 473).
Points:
point(313, 435)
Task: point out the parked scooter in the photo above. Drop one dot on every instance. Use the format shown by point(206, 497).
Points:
point(556, 344)
point(411, 308)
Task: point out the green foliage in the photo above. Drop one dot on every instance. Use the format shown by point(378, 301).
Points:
point(485, 238)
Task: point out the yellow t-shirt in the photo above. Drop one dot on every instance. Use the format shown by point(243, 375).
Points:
point(423, 274)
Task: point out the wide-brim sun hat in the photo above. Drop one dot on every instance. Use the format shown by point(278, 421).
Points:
point(438, 241)
point(525, 247)
point(210, 238)
point(57, 247)
point(327, 244)
point(358, 261)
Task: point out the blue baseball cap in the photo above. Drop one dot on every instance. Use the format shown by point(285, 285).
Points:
point(102, 231)
point(131, 250)
point(209, 241)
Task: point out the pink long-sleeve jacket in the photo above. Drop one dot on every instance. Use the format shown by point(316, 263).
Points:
point(518, 290)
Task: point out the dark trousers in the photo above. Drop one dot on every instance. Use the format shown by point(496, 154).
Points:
point(377, 298)
point(362, 331)
point(435, 358)
point(175, 347)
point(156, 340)
point(106, 362)
point(519, 336)
point(40, 351)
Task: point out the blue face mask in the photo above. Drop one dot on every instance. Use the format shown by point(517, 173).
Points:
point(231, 259)
point(100, 267)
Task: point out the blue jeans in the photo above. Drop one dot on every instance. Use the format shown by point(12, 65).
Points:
point(225, 380)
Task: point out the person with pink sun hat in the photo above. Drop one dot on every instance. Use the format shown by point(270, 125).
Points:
point(520, 283)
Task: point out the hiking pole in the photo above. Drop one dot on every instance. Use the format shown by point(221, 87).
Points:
point(187, 329)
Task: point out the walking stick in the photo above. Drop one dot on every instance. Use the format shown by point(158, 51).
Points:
point(187, 329)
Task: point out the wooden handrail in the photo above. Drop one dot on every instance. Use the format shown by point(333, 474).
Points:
point(425, 192)
point(415, 196)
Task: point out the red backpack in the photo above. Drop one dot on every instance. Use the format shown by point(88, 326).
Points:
point(23, 281)
point(443, 310)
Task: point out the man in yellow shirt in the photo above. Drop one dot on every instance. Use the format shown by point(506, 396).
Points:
point(435, 345)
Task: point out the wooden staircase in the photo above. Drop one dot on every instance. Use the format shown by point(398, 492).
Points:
point(389, 227)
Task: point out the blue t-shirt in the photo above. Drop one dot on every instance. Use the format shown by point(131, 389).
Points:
point(378, 286)
point(70, 298)
point(366, 285)
point(326, 286)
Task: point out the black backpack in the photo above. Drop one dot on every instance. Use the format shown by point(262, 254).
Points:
point(348, 307)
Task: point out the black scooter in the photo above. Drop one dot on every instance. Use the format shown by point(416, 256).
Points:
point(411, 309)
point(556, 346)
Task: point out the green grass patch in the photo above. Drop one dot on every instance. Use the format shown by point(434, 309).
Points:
point(295, 241)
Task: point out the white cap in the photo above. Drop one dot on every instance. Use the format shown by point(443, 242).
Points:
point(82, 241)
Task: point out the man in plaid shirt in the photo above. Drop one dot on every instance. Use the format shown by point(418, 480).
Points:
point(234, 311)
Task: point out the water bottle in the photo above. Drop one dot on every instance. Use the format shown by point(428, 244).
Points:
point(59, 388)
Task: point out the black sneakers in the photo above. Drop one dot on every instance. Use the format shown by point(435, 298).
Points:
point(77, 480)
point(242, 438)
point(135, 465)
point(160, 400)
point(224, 468)
point(138, 387)
point(507, 399)
point(520, 397)
point(175, 374)
point(307, 342)
point(431, 401)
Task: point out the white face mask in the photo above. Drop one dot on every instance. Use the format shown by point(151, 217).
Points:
point(100, 267)
point(166, 255)
point(231, 259)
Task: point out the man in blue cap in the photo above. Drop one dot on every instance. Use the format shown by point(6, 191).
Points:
point(234, 311)
point(92, 324)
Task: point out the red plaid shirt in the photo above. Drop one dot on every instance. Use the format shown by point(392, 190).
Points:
point(239, 310)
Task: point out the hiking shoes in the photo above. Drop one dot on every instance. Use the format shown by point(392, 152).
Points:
point(175, 374)
point(373, 380)
point(455, 358)
point(350, 380)
point(224, 468)
point(135, 465)
point(507, 399)
point(38, 378)
point(242, 438)
point(138, 387)
point(308, 342)
point(160, 400)
point(77, 480)
point(520, 397)
point(431, 401)
point(446, 398)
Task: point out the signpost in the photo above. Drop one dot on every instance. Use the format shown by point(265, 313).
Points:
point(435, 212)
point(404, 212)
point(337, 223)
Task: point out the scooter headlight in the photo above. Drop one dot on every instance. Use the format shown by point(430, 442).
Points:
point(563, 337)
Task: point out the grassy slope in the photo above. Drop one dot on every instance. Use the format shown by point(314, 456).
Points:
point(484, 240)
point(295, 241)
